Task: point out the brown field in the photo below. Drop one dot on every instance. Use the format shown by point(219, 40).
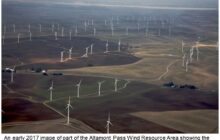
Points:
point(189, 121)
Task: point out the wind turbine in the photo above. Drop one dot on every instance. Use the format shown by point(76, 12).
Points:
point(76, 31)
point(18, 38)
point(99, 88)
point(138, 25)
point(184, 57)
point(58, 26)
point(106, 47)
point(86, 54)
point(70, 35)
point(105, 22)
point(92, 22)
point(61, 56)
point(70, 53)
point(51, 91)
point(112, 29)
point(91, 49)
point(14, 27)
point(78, 87)
point(116, 84)
point(12, 74)
point(85, 26)
point(127, 31)
point(55, 34)
point(170, 31)
point(197, 50)
point(183, 44)
point(68, 111)
point(119, 45)
point(146, 31)
point(191, 53)
point(187, 63)
point(62, 32)
point(108, 123)
point(94, 31)
point(52, 28)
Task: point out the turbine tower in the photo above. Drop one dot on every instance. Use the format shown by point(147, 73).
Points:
point(70, 35)
point(108, 123)
point(62, 32)
point(12, 74)
point(91, 49)
point(86, 54)
point(76, 31)
point(94, 31)
point(184, 57)
point(29, 28)
point(183, 44)
point(119, 45)
point(55, 34)
point(68, 111)
point(187, 63)
point(51, 91)
point(106, 47)
point(70, 53)
point(99, 88)
point(85, 26)
point(116, 84)
point(61, 56)
point(78, 87)
point(14, 27)
point(197, 50)
point(127, 31)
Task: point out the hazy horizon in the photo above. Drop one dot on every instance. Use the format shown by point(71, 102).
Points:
point(137, 3)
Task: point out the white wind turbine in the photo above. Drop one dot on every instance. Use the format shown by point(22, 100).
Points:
point(62, 31)
point(197, 51)
point(61, 56)
point(147, 30)
point(127, 31)
point(106, 47)
point(58, 26)
point(99, 87)
point(92, 22)
point(76, 31)
point(12, 74)
point(105, 22)
point(55, 34)
point(68, 111)
point(94, 31)
point(183, 44)
point(116, 84)
point(191, 54)
point(85, 26)
point(187, 63)
point(112, 29)
point(52, 28)
point(14, 27)
point(119, 45)
point(70, 33)
point(51, 91)
point(184, 57)
point(138, 26)
point(70, 53)
point(78, 88)
point(108, 123)
point(91, 49)
point(86, 54)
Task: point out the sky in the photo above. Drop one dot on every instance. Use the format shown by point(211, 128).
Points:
point(157, 3)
